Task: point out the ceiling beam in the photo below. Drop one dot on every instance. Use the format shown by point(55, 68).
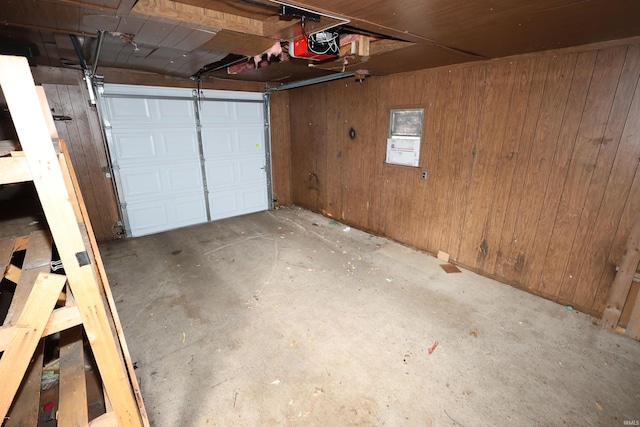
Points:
point(167, 9)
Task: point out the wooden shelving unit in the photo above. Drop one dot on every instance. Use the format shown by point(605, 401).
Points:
point(75, 304)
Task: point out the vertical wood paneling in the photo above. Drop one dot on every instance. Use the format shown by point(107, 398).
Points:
point(621, 203)
point(360, 174)
point(280, 148)
point(308, 146)
point(505, 264)
point(444, 186)
point(432, 157)
point(552, 109)
point(84, 141)
point(496, 104)
point(507, 161)
point(473, 93)
point(338, 112)
point(462, 140)
point(560, 165)
point(587, 227)
point(585, 153)
point(532, 165)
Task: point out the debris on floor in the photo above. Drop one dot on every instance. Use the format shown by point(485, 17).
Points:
point(450, 268)
point(443, 256)
point(433, 348)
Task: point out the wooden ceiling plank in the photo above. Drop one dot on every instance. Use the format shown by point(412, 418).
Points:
point(236, 8)
point(96, 22)
point(238, 43)
point(166, 9)
point(67, 17)
point(177, 35)
point(85, 5)
point(153, 32)
point(131, 24)
point(196, 39)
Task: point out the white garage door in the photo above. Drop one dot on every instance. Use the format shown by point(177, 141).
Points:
point(234, 152)
point(170, 172)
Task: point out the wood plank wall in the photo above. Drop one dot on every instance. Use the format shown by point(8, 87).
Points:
point(532, 163)
point(280, 151)
point(84, 141)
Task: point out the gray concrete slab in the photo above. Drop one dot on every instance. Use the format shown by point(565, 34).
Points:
point(288, 318)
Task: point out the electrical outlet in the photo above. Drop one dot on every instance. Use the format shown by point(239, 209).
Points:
point(424, 174)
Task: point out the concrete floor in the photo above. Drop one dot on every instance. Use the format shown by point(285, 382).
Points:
point(286, 318)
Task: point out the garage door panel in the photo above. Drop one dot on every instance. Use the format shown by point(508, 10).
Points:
point(132, 146)
point(189, 210)
point(250, 140)
point(147, 146)
point(180, 144)
point(160, 180)
point(249, 112)
point(223, 204)
point(140, 111)
point(160, 215)
point(253, 200)
point(227, 173)
point(217, 142)
point(251, 171)
point(140, 183)
point(221, 174)
point(147, 216)
point(129, 111)
point(217, 112)
point(184, 178)
point(176, 111)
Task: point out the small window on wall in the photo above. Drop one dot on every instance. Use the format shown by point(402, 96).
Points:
point(405, 134)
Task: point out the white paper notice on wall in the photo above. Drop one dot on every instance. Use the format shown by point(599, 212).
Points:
point(403, 151)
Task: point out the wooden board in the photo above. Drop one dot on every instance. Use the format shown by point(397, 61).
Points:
point(37, 260)
point(72, 404)
point(623, 281)
point(280, 148)
point(15, 359)
point(25, 410)
point(30, 123)
point(13, 170)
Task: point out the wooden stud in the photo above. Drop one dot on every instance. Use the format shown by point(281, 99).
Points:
point(363, 46)
point(624, 279)
point(633, 327)
point(15, 360)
